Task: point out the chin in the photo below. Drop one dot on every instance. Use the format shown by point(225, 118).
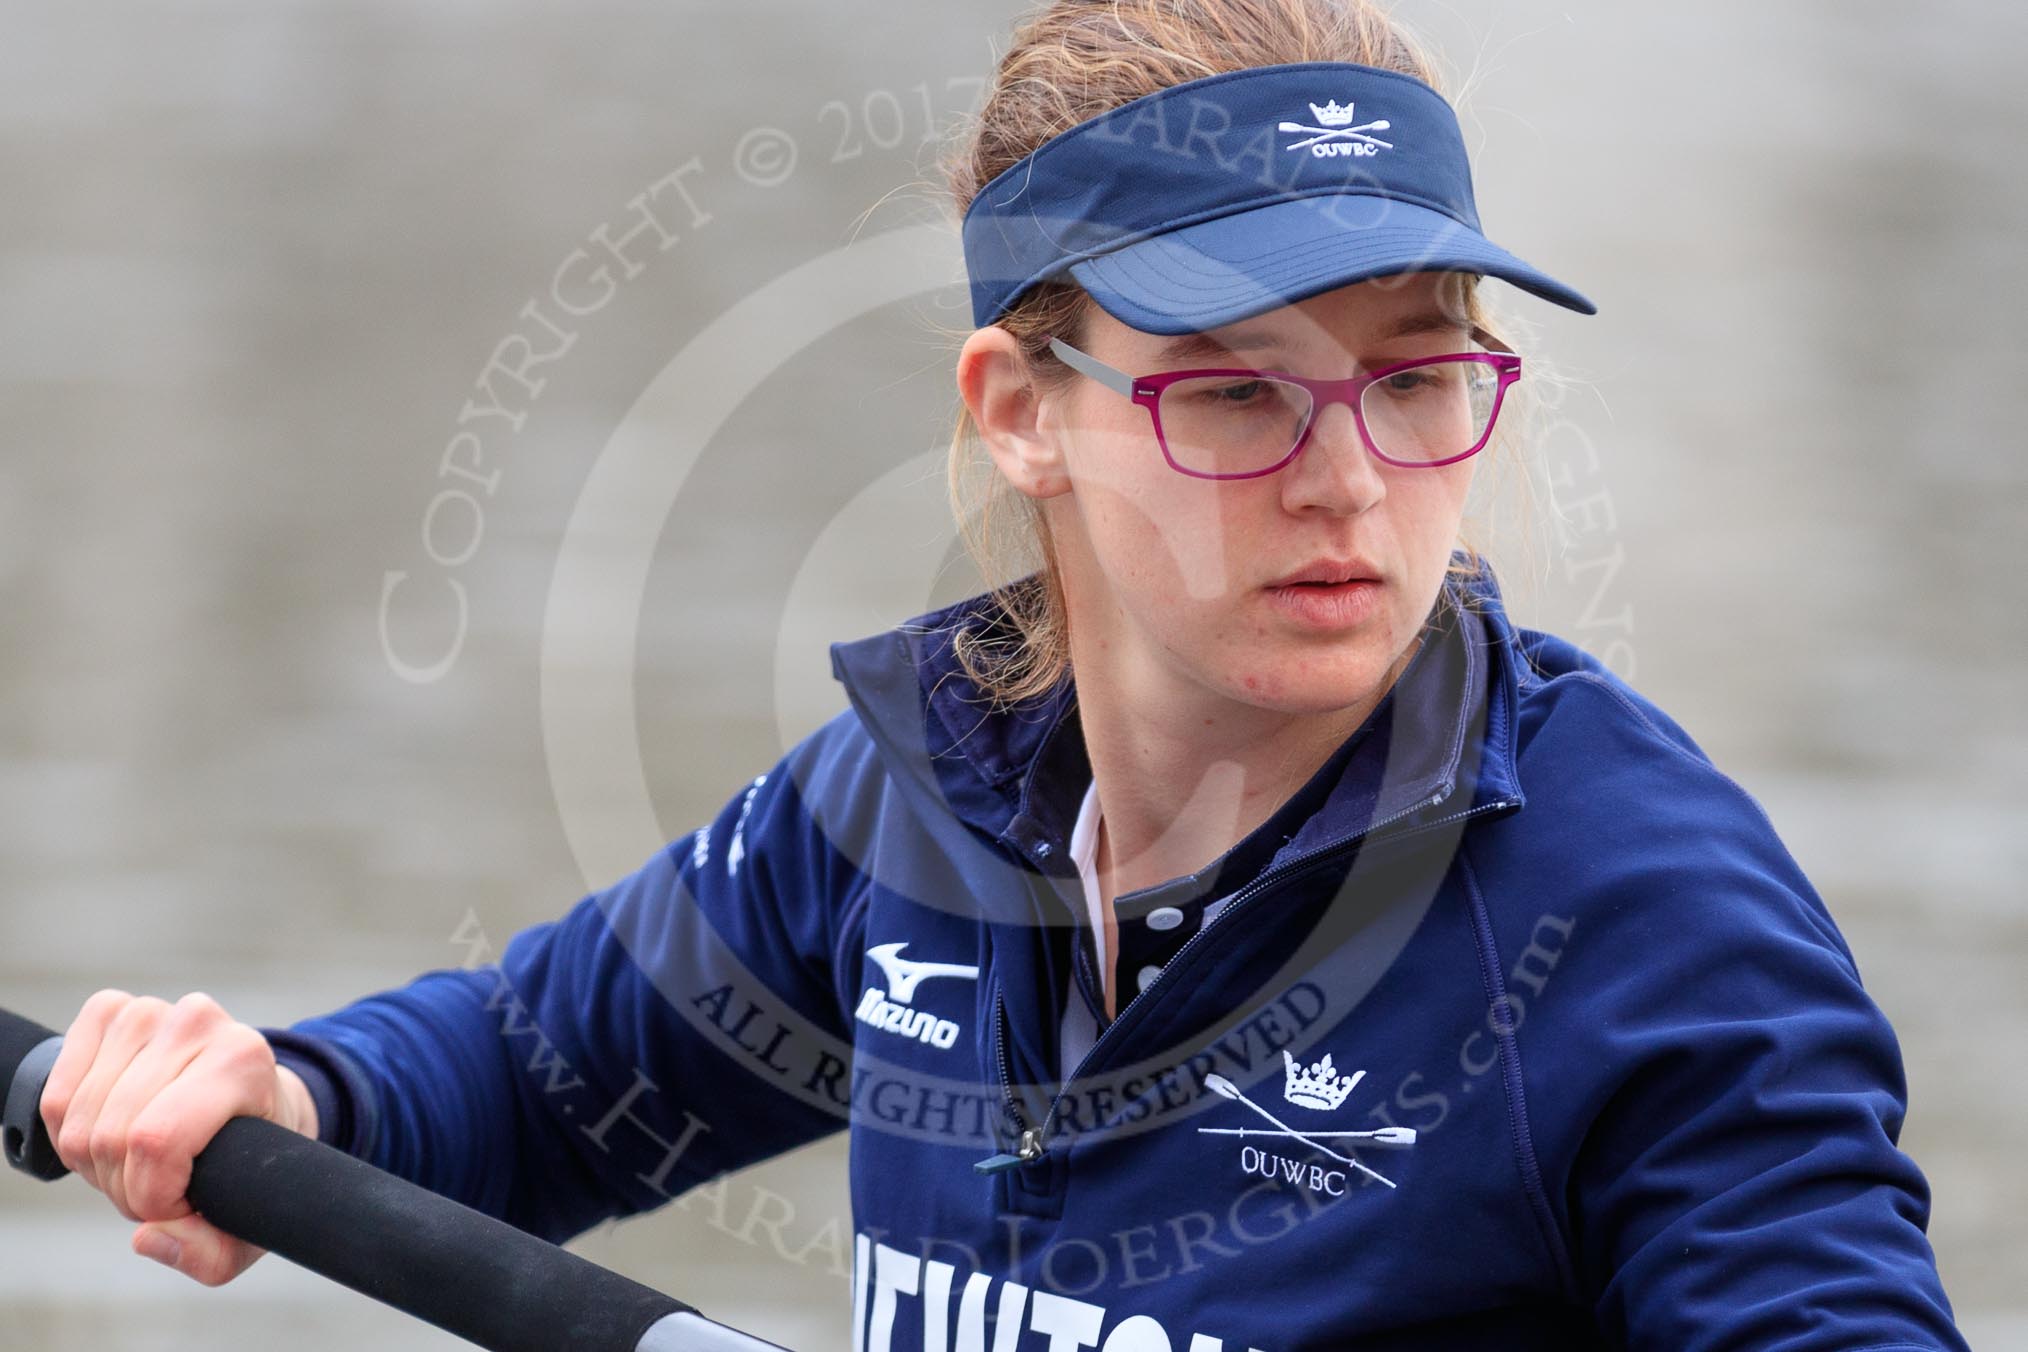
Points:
point(1309, 684)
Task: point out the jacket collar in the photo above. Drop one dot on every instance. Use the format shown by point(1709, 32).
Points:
point(1018, 774)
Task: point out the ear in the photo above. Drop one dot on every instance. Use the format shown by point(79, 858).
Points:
point(1010, 412)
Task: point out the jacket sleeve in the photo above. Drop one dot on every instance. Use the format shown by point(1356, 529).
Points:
point(680, 1023)
point(1716, 1100)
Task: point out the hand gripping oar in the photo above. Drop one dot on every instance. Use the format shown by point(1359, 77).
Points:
point(426, 1255)
point(1218, 1084)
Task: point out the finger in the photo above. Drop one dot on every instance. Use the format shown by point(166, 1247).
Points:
point(81, 1146)
point(178, 1042)
point(224, 1080)
point(132, 1028)
point(196, 1248)
point(80, 1044)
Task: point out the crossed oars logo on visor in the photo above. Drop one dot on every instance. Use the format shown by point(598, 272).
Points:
point(1336, 119)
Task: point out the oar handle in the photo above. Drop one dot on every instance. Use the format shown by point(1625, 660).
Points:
point(424, 1254)
point(27, 1054)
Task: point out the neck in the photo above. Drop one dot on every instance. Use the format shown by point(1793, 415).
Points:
point(1183, 779)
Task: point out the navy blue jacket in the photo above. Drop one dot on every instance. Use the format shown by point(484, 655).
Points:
point(1522, 1030)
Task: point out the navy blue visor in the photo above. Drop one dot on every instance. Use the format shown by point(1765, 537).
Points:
point(1220, 198)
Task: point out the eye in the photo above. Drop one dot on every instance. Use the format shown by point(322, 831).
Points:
point(1239, 392)
point(1437, 379)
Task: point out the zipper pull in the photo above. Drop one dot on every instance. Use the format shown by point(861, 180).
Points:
point(1027, 1151)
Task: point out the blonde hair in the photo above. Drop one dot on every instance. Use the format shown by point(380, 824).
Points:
point(1069, 61)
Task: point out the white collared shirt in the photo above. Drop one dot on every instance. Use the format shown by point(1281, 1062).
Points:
point(1079, 1029)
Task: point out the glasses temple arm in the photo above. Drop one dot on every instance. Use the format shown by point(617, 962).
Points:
point(1488, 341)
point(1084, 363)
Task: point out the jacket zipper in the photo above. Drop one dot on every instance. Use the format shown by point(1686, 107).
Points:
point(1031, 1146)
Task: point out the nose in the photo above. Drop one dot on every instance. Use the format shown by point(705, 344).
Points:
point(1334, 472)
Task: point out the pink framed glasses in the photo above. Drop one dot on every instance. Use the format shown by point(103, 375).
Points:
point(1241, 423)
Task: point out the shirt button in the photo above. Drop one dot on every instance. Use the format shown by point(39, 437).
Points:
point(1042, 849)
point(1146, 977)
point(1164, 918)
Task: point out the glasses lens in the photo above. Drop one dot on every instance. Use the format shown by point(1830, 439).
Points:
point(1433, 411)
point(1232, 424)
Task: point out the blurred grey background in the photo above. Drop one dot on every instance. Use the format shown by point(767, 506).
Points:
point(255, 260)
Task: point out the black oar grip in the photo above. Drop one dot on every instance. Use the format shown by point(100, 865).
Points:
point(426, 1255)
point(27, 1052)
point(405, 1246)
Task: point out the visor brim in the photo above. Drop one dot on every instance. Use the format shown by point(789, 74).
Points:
point(1233, 267)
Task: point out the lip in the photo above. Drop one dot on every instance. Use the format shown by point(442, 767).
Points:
point(1328, 607)
point(1330, 570)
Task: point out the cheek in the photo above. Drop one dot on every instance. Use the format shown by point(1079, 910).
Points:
point(1164, 536)
point(1431, 505)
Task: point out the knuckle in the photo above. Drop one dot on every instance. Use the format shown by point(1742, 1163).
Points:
point(105, 1001)
point(155, 1173)
point(73, 1147)
point(105, 1145)
point(151, 1196)
point(246, 1050)
point(197, 1010)
point(152, 1143)
point(142, 1012)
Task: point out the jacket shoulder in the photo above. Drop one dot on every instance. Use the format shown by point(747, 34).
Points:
point(1625, 807)
point(841, 780)
point(1705, 1097)
point(1552, 669)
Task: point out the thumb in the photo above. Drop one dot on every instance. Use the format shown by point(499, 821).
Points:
point(196, 1248)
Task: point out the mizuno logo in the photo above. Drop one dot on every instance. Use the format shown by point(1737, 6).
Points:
point(1336, 135)
point(888, 1010)
point(905, 974)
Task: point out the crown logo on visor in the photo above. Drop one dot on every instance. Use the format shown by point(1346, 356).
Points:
point(1333, 133)
point(1317, 1086)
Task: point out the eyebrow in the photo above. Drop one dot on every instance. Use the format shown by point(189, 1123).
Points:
point(1204, 345)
